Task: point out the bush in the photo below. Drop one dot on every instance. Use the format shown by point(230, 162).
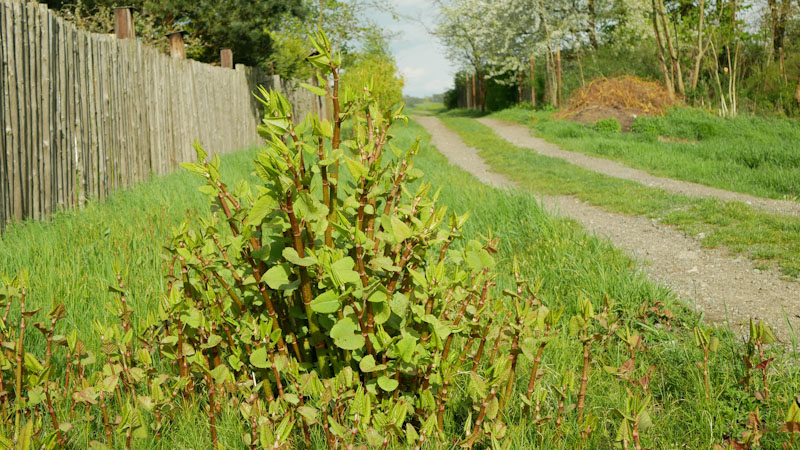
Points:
point(451, 99)
point(609, 125)
point(648, 126)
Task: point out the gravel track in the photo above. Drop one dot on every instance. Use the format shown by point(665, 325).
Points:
point(520, 136)
point(723, 287)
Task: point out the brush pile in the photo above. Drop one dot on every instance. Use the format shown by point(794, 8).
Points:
point(623, 98)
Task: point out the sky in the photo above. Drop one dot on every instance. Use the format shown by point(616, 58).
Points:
point(420, 58)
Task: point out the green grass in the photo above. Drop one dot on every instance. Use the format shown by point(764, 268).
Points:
point(426, 108)
point(71, 258)
point(748, 154)
point(774, 238)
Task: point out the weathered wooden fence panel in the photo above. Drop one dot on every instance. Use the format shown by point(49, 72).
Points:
point(85, 114)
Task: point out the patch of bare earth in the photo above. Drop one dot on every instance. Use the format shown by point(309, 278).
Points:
point(724, 288)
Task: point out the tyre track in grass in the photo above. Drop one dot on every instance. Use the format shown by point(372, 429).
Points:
point(520, 136)
point(723, 287)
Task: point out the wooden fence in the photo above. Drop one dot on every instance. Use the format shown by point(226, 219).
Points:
point(85, 114)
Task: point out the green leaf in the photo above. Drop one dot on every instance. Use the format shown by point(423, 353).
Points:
point(343, 269)
point(25, 438)
point(197, 169)
point(387, 384)
point(316, 90)
point(278, 276)
point(291, 255)
point(474, 261)
point(213, 341)
point(343, 327)
point(356, 168)
point(400, 230)
point(399, 304)
point(367, 364)
point(350, 342)
point(310, 414)
point(221, 374)
point(259, 358)
point(381, 312)
point(326, 303)
point(405, 348)
point(262, 206)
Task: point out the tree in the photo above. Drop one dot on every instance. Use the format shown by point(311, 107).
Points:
point(241, 25)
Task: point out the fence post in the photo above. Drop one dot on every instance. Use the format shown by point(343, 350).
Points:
point(123, 22)
point(177, 48)
point(226, 58)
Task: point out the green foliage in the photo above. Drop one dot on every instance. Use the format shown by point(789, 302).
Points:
point(373, 68)
point(610, 125)
point(340, 287)
point(241, 25)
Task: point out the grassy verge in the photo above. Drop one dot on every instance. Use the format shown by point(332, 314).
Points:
point(749, 154)
point(72, 258)
point(771, 238)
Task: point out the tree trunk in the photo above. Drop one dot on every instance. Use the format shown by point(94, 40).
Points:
point(662, 63)
point(558, 76)
point(778, 14)
point(675, 62)
point(475, 98)
point(468, 92)
point(700, 47)
point(533, 84)
point(592, 25)
point(482, 91)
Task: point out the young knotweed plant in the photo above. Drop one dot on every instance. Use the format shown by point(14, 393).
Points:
point(634, 419)
point(760, 335)
point(627, 370)
point(533, 346)
point(791, 423)
point(581, 326)
point(708, 344)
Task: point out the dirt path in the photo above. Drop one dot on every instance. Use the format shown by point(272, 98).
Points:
point(520, 136)
point(723, 287)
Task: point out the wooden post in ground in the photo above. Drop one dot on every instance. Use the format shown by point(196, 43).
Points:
point(533, 84)
point(177, 48)
point(123, 23)
point(226, 58)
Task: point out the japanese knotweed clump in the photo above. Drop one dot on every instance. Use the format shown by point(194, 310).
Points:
point(331, 295)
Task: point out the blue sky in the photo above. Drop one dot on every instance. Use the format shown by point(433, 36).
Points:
point(419, 56)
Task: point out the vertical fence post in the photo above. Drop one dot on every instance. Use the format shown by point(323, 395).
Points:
point(226, 58)
point(177, 48)
point(123, 22)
